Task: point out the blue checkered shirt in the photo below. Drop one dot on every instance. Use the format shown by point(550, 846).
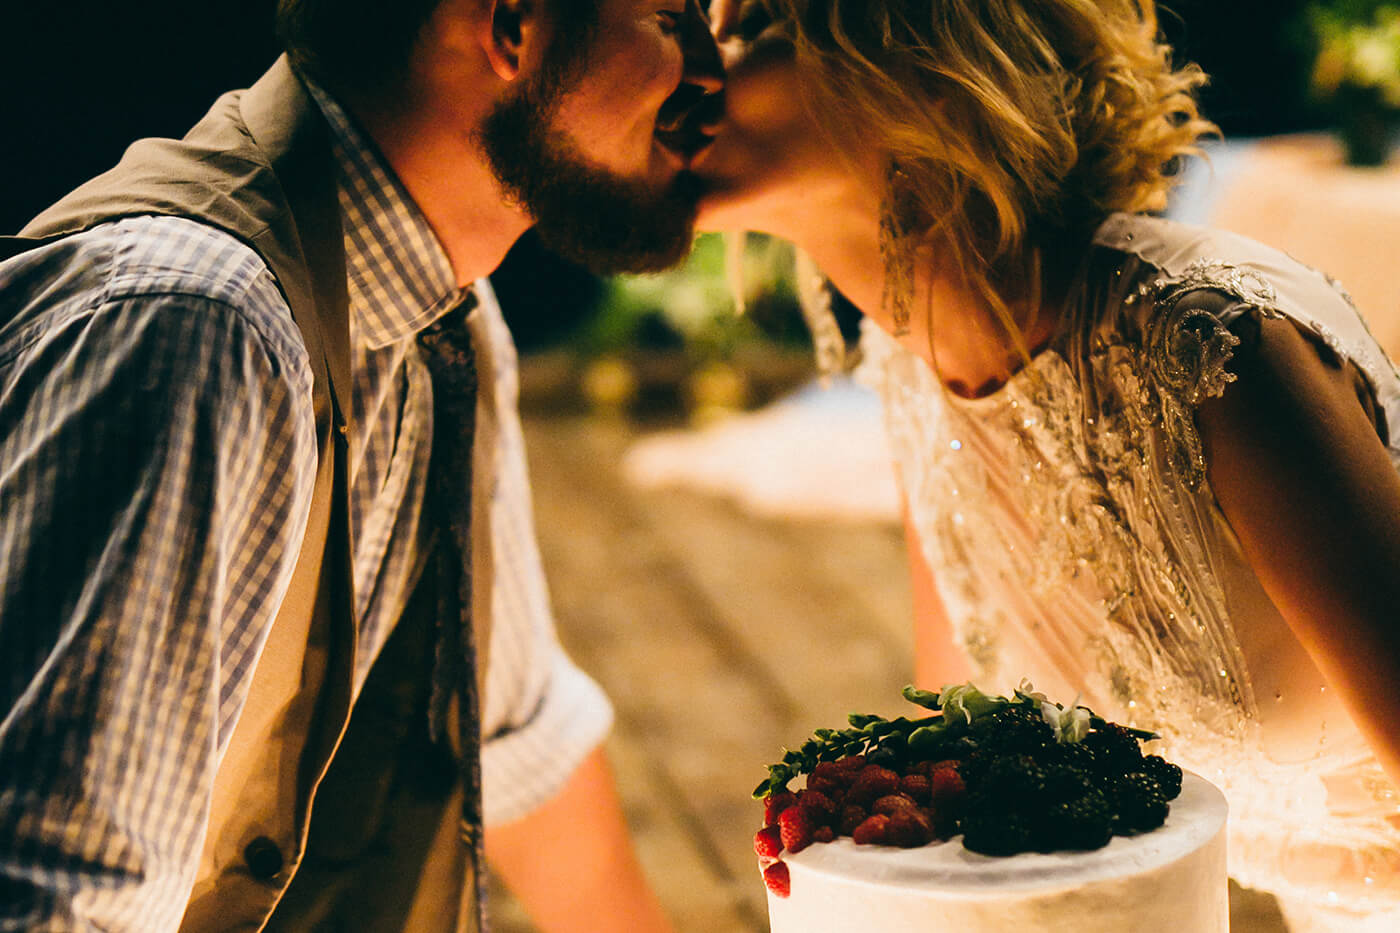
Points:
point(157, 457)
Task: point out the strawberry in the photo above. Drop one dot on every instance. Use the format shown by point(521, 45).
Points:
point(916, 787)
point(834, 778)
point(796, 826)
point(872, 831)
point(777, 879)
point(818, 805)
point(774, 804)
point(831, 785)
point(823, 834)
point(926, 768)
point(843, 770)
point(851, 817)
point(768, 842)
point(872, 783)
point(892, 803)
point(946, 786)
point(922, 768)
point(909, 828)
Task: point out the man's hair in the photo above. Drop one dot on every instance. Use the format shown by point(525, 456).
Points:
point(364, 45)
point(1009, 122)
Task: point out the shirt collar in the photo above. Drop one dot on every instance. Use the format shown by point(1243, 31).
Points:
point(399, 277)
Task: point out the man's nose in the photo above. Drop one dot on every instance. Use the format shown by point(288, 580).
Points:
point(703, 66)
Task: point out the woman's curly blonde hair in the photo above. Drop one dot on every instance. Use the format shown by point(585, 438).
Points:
point(1009, 123)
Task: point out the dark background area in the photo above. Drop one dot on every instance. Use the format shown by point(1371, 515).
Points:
point(82, 79)
point(1259, 56)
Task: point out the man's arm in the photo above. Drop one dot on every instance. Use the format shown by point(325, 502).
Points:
point(571, 862)
point(150, 492)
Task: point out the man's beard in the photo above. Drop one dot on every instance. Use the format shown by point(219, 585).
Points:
point(586, 214)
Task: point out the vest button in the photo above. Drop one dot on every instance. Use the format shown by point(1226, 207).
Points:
point(264, 858)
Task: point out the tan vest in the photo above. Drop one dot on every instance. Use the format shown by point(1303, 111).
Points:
point(259, 166)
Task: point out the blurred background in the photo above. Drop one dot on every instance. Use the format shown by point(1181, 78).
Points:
point(722, 534)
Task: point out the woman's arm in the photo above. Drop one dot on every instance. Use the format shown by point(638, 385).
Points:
point(937, 661)
point(1308, 487)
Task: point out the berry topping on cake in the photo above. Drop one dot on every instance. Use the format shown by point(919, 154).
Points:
point(820, 807)
point(851, 817)
point(1167, 774)
point(872, 783)
point(768, 842)
point(916, 787)
point(1115, 747)
point(891, 804)
point(1141, 804)
point(796, 827)
point(873, 830)
point(775, 804)
point(1010, 775)
point(946, 785)
point(909, 828)
point(776, 877)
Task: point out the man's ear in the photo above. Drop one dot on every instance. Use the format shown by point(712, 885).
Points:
point(510, 28)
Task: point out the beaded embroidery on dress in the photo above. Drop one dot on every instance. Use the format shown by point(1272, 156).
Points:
point(1074, 538)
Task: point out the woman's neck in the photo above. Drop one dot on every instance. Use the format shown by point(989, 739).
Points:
point(952, 326)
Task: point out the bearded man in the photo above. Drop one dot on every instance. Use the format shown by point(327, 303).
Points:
point(260, 469)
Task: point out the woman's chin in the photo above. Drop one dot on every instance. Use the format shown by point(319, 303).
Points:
point(717, 214)
point(723, 209)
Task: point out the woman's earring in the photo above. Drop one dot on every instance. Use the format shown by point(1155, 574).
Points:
point(735, 255)
point(896, 253)
point(814, 297)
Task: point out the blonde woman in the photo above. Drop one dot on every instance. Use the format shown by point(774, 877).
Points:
point(1152, 463)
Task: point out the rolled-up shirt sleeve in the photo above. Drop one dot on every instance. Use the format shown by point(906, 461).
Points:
point(157, 455)
point(525, 765)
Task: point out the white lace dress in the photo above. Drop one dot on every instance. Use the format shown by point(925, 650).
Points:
point(1075, 541)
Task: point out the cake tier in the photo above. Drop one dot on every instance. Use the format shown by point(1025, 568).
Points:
point(1170, 879)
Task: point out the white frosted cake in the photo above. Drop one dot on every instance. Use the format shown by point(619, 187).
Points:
point(1170, 879)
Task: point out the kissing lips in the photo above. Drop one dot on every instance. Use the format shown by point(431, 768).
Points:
point(684, 144)
point(688, 121)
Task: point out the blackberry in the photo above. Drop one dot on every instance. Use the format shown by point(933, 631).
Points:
point(1077, 755)
point(1084, 821)
point(1140, 804)
point(1115, 748)
point(1063, 782)
point(1015, 730)
point(996, 831)
point(1009, 778)
point(1167, 774)
point(974, 766)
